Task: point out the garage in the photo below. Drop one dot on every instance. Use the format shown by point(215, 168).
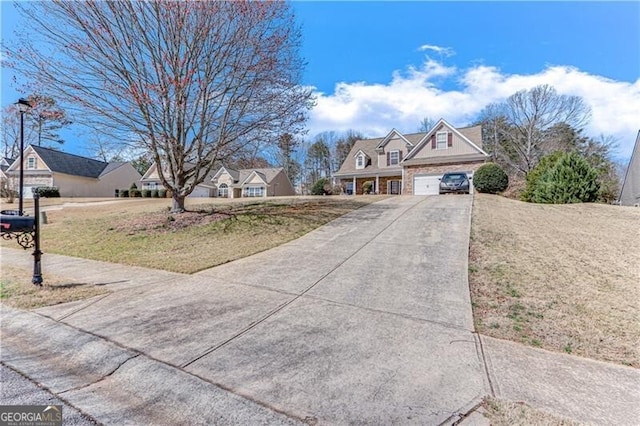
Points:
point(426, 185)
point(200, 191)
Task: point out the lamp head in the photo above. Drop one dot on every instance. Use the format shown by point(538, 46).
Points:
point(23, 105)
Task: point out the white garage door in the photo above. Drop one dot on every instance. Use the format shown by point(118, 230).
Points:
point(426, 185)
point(200, 191)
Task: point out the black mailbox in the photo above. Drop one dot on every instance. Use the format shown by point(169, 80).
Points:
point(13, 223)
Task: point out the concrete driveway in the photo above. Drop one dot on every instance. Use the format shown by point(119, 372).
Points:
point(364, 321)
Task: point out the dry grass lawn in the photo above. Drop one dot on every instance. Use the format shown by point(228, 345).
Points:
point(560, 277)
point(506, 413)
point(16, 289)
point(142, 231)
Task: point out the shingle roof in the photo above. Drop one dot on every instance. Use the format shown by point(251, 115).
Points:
point(111, 167)
point(70, 164)
point(266, 174)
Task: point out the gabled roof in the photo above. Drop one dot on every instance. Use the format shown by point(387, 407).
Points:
point(266, 174)
point(461, 134)
point(390, 136)
point(235, 175)
point(630, 190)
point(361, 152)
point(70, 164)
point(111, 167)
point(5, 163)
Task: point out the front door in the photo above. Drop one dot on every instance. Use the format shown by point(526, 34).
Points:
point(393, 187)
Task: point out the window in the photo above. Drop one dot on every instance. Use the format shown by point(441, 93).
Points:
point(150, 185)
point(31, 163)
point(360, 162)
point(441, 140)
point(223, 190)
point(394, 158)
point(254, 191)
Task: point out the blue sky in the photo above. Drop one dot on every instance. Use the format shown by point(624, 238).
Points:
point(379, 65)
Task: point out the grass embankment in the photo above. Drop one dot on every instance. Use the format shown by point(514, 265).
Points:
point(144, 233)
point(560, 277)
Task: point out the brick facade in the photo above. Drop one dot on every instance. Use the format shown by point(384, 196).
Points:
point(411, 171)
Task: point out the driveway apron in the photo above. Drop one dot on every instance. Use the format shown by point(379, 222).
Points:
point(365, 320)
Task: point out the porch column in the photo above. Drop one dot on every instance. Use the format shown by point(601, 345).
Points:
point(354, 186)
point(377, 184)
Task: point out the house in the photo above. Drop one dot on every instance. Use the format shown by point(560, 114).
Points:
point(266, 182)
point(630, 191)
point(151, 180)
point(4, 165)
point(73, 175)
point(412, 164)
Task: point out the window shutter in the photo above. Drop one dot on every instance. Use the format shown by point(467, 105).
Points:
point(449, 139)
point(433, 141)
point(399, 156)
point(388, 158)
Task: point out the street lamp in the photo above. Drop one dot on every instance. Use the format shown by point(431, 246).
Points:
point(23, 106)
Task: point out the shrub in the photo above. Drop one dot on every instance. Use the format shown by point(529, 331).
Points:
point(133, 186)
point(337, 190)
point(490, 178)
point(570, 180)
point(124, 193)
point(47, 191)
point(321, 187)
point(154, 193)
point(135, 193)
point(367, 187)
point(146, 193)
point(547, 162)
point(162, 193)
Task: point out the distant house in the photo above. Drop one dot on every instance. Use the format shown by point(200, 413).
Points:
point(4, 166)
point(630, 191)
point(267, 182)
point(73, 175)
point(412, 164)
point(230, 183)
point(151, 180)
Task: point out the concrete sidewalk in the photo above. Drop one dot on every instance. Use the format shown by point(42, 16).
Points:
point(357, 322)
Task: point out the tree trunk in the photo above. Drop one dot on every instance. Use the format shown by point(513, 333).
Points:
point(177, 203)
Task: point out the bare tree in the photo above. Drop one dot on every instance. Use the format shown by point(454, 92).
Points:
point(530, 114)
point(426, 124)
point(193, 81)
point(47, 119)
point(11, 132)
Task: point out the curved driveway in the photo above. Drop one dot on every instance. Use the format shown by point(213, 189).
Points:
point(366, 320)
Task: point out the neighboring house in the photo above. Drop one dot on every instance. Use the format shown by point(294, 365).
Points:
point(151, 180)
point(412, 164)
point(4, 165)
point(73, 175)
point(630, 191)
point(267, 182)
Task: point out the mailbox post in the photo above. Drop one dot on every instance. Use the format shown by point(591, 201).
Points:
point(26, 231)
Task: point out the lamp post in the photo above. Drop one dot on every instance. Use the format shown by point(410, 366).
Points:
point(23, 106)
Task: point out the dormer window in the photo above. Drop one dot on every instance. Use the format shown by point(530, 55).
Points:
point(31, 163)
point(360, 162)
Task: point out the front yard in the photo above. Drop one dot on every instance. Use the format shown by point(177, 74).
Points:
point(142, 232)
point(560, 277)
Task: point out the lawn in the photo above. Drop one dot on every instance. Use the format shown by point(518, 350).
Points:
point(559, 277)
point(17, 290)
point(143, 232)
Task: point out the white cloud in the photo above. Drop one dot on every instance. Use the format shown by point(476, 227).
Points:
point(446, 51)
point(414, 94)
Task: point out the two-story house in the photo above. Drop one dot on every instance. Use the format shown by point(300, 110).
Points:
point(412, 164)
